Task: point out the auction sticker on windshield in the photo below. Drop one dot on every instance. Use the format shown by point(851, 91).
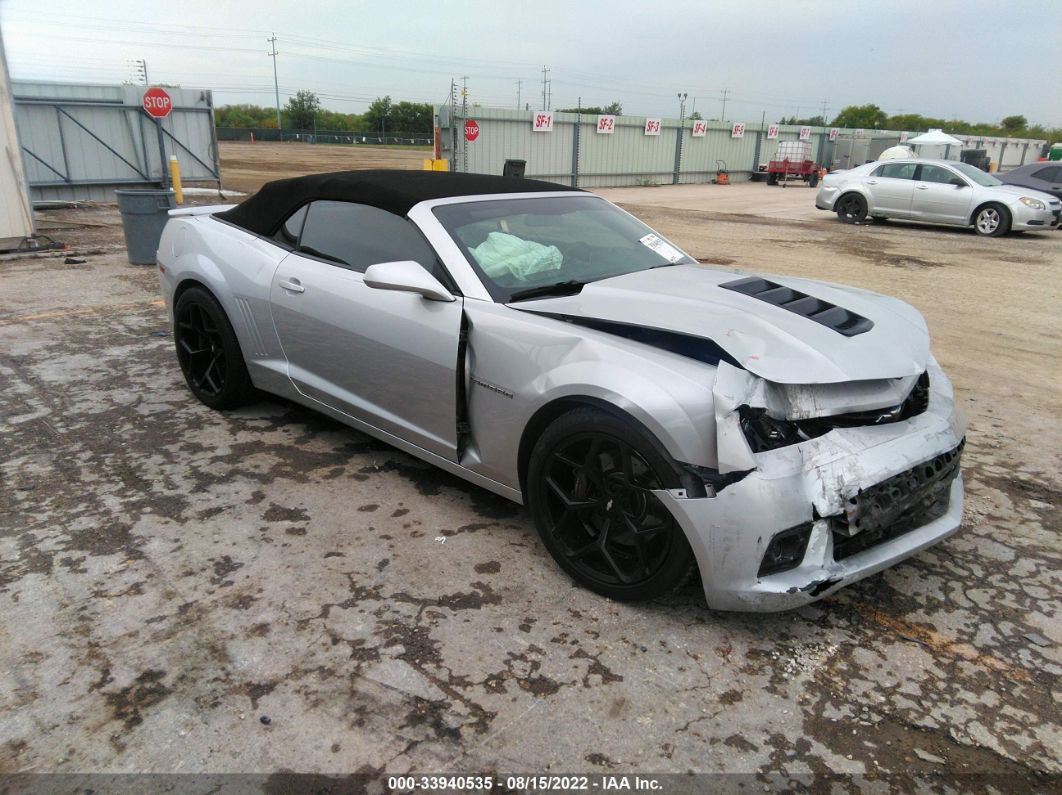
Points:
point(661, 247)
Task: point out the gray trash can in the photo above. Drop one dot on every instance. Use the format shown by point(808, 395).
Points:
point(514, 168)
point(144, 214)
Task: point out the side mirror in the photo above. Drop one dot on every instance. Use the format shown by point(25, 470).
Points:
point(958, 183)
point(406, 276)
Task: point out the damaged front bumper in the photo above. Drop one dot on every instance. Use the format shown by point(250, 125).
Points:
point(863, 499)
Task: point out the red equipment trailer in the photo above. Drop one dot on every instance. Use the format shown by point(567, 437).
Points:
point(793, 160)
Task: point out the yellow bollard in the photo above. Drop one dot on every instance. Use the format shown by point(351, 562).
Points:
point(429, 164)
point(175, 179)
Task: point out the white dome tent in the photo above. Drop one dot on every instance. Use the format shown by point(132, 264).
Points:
point(935, 143)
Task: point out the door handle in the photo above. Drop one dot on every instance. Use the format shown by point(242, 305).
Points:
point(922, 187)
point(872, 182)
point(291, 285)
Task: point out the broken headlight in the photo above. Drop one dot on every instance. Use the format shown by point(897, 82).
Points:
point(767, 433)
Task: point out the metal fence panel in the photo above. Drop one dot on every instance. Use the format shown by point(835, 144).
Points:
point(629, 157)
point(81, 141)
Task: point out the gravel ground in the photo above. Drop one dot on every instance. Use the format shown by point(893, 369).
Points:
point(171, 577)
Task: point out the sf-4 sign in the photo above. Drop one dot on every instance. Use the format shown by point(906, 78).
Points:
point(772, 132)
point(606, 125)
point(805, 133)
point(738, 130)
point(652, 126)
point(542, 121)
point(700, 128)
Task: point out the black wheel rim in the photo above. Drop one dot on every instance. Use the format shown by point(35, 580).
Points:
point(603, 517)
point(201, 350)
point(850, 207)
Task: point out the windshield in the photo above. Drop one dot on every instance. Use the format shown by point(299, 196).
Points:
point(976, 174)
point(517, 245)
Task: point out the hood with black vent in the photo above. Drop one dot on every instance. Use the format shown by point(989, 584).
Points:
point(785, 330)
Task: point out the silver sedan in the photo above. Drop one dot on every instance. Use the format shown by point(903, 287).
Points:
point(938, 192)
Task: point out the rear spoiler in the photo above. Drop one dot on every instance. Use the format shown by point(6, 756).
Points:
point(208, 209)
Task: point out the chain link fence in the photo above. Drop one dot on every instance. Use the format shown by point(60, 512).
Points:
point(324, 136)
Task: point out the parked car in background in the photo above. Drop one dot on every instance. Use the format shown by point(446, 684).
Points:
point(782, 437)
point(1043, 176)
point(938, 192)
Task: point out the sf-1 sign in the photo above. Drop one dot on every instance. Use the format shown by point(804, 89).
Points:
point(542, 122)
point(157, 103)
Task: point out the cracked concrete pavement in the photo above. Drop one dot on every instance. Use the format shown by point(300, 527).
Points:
point(169, 575)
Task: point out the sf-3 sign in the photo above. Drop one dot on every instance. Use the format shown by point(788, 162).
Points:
point(652, 126)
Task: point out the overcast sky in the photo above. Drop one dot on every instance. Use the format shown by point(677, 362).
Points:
point(978, 60)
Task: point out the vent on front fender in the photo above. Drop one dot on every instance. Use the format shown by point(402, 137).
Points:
point(823, 312)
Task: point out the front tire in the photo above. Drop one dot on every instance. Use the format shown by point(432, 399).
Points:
point(992, 220)
point(590, 482)
point(208, 351)
point(851, 208)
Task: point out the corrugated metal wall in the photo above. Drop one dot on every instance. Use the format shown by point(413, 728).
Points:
point(81, 141)
point(16, 219)
point(630, 157)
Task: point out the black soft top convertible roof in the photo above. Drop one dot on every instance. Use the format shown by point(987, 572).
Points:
point(391, 190)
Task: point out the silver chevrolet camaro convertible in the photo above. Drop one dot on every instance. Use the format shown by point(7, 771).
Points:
point(780, 437)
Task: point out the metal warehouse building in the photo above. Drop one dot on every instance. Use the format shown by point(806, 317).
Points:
point(16, 218)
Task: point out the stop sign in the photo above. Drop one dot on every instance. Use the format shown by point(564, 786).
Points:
point(157, 103)
point(471, 130)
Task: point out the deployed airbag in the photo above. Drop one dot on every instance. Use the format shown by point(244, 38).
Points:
point(501, 254)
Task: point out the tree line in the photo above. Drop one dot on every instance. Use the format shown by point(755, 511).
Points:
point(304, 112)
point(871, 117)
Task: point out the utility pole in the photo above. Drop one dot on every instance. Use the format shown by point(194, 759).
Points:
point(545, 75)
point(725, 92)
point(825, 121)
point(464, 117)
point(518, 83)
point(141, 68)
point(276, 85)
point(678, 140)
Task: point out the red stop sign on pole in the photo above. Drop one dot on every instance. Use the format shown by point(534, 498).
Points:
point(157, 103)
point(471, 130)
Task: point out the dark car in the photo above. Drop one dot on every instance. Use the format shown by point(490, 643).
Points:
point(1045, 176)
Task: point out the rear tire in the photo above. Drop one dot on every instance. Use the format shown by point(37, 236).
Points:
point(772, 179)
point(992, 220)
point(208, 351)
point(813, 180)
point(851, 208)
point(590, 482)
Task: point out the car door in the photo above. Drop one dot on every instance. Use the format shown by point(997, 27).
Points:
point(891, 189)
point(941, 196)
point(384, 357)
point(1048, 180)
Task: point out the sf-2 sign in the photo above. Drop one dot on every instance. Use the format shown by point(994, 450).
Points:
point(606, 125)
point(542, 121)
point(157, 103)
point(471, 130)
